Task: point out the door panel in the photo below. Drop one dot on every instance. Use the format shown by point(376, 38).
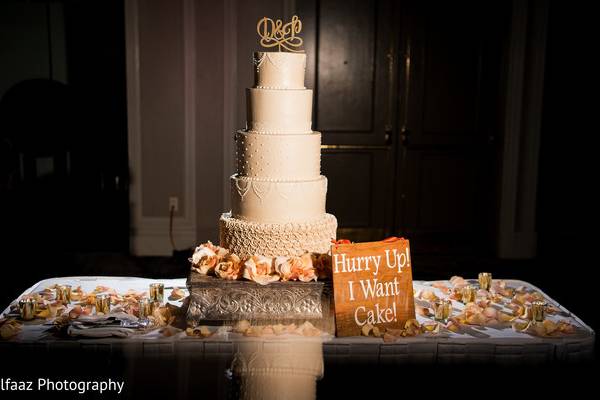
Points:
point(454, 56)
point(350, 51)
point(449, 115)
point(407, 99)
point(346, 65)
point(350, 48)
point(354, 192)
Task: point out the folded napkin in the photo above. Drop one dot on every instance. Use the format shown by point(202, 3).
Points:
point(106, 319)
point(100, 326)
point(100, 332)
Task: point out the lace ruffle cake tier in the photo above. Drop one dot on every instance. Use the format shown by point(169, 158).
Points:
point(246, 238)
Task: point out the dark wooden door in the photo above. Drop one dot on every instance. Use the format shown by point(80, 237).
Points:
point(449, 124)
point(407, 99)
point(350, 47)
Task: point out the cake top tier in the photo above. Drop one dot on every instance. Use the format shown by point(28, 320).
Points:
point(279, 70)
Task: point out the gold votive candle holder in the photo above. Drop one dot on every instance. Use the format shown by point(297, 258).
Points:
point(538, 311)
point(485, 280)
point(442, 309)
point(27, 308)
point(63, 293)
point(157, 292)
point(102, 303)
point(144, 308)
point(468, 294)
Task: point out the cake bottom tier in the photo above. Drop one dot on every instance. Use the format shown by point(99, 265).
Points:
point(246, 238)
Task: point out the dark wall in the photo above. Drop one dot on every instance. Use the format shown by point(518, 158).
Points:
point(569, 163)
point(567, 213)
point(63, 144)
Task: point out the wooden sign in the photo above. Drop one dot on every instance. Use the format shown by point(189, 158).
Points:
point(372, 284)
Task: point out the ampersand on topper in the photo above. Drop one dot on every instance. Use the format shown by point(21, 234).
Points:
point(275, 33)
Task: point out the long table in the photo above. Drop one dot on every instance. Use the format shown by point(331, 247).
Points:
point(490, 345)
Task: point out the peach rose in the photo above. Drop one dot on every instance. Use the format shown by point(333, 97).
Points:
point(260, 270)
point(205, 257)
point(230, 267)
point(204, 260)
point(296, 268)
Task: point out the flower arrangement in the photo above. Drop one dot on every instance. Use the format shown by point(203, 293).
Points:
point(209, 259)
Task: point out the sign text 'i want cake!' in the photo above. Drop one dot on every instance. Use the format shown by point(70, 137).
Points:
point(277, 34)
point(372, 284)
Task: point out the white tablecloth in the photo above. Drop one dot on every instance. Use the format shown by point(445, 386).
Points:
point(478, 344)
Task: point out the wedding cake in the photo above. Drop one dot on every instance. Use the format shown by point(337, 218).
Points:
point(278, 193)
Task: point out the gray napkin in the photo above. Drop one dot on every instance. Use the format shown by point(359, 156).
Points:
point(100, 332)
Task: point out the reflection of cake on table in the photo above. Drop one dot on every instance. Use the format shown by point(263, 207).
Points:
point(278, 193)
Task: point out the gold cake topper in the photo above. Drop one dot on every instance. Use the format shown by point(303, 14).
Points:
point(275, 33)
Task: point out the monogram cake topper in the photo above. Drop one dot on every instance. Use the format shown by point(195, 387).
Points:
point(275, 33)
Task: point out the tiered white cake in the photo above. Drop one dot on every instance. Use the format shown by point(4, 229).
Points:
point(278, 193)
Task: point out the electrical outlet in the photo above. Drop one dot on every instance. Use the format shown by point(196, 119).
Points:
point(174, 204)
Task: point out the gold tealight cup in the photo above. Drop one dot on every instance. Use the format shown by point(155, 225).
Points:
point(468, 294)
point(157, 292)
point(145, 308)
point(538, 311)
point(27, 308)
point(485, 280)
point(442, 309)
point(63, 293)
point(102, 303)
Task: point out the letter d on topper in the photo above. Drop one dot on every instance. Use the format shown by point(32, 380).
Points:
point(382, 297)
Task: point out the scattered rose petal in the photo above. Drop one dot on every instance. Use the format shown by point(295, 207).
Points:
point(422, 311)
point(427, 295)
point(504, 317)
point(549, 326)
point(490, 312)
point(204, 331)
point(453, 326)
point(389, 338)
point(565, 327)
point(458, 281)
point(268, 330)
point(366, 329)
point(520, 326)
point(441, 286)
point(75, 312)
point(278, 329)
point(308, 329)
point(169, 331)
point(176, 294)
point(9, 328)
point(241, 326)
point(254, 331)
